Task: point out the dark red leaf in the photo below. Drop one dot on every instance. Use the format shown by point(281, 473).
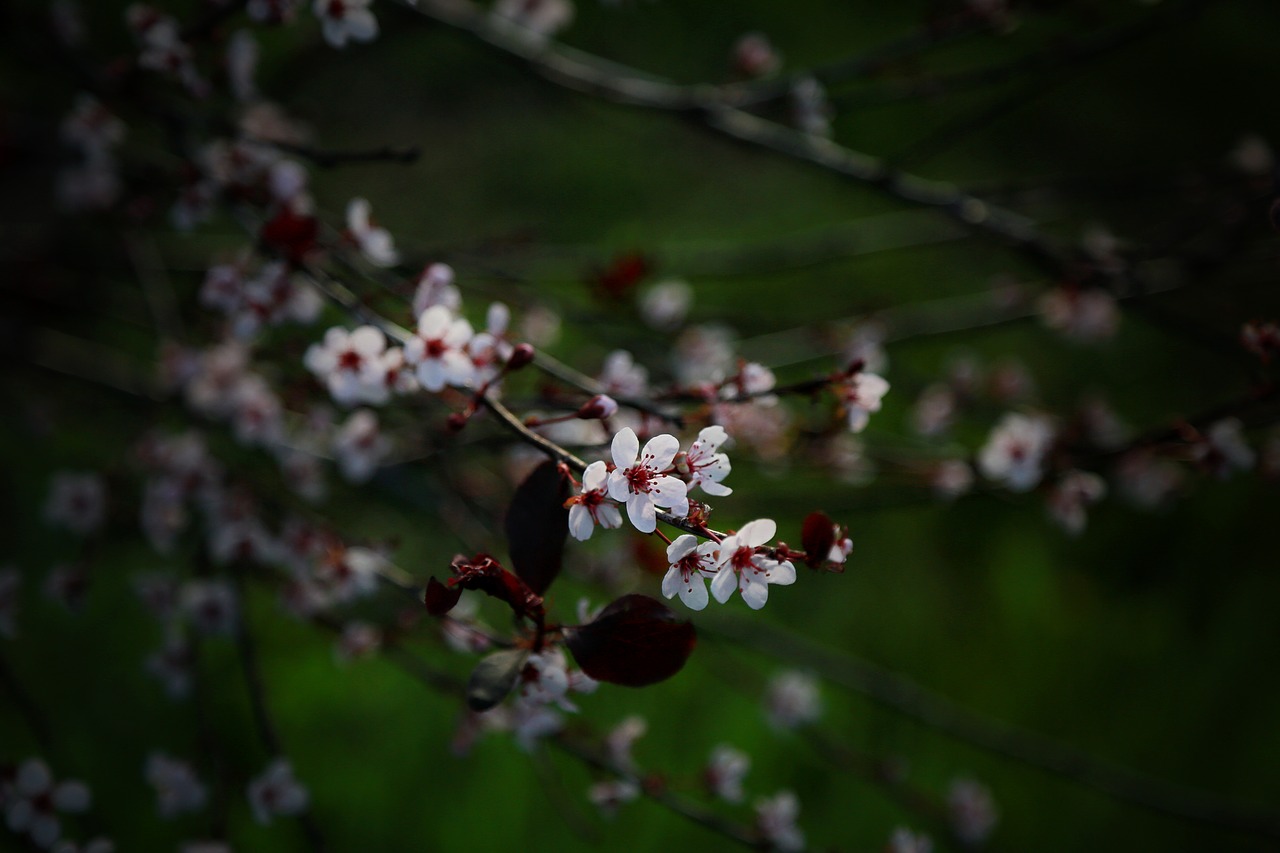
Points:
point(485, 574)
point(817, 535)
point(440, 599)
point(634, 641)
point(537, 524)
point(495, 677)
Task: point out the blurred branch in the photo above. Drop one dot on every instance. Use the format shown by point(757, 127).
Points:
point(899, 694)
point(266, 727)
point(26, 708)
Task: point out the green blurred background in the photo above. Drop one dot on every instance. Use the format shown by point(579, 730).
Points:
point(1150, 642)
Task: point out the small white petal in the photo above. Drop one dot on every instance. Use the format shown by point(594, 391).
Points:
point(758, 532)
point(724, 583)
point(694, 593)
point(681, 547)
point(660, 450)
point(594, 477)
point(672, 582)
point(641, 511)
point(580, 522)
point(624, 448)
point(754, 592)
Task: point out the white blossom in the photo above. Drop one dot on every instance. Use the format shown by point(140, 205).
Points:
point(374, 241)
point(640, 479)
point(360, 446)
point(1015, 451)
point(178, 789)
point(861, 394)
point(776, 820)
point(592, 506)
point(704, 466)
point(725, 771)
point(77, 502)
point(691, 564)
point(972, 811)
point(792, 699)
point(276, 792)
point(351, 365)
point(34, 801)
point(739, 567)
point(343, 20)
point(438, 351)
point(1070, 497)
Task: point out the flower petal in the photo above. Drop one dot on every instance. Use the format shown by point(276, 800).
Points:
point(580, 522)
point(594, 477)
point(625, 447)
point(756, 533)
point(723, 584)
point(641, 511)
point(681, 547)
point(659, 451)
point(694, 593)
point(754, 592)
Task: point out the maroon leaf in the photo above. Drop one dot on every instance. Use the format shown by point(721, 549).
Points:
point(495, 677)
point(634, 641)
point(537, 524)
point(486, 574)
point(440, 599)
point(817, 535)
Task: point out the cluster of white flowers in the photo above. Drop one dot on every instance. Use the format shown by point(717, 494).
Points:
point(254, 299)
point(659, 477)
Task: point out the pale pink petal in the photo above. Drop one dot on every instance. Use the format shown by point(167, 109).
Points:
point(618, 488)
point(608, 516)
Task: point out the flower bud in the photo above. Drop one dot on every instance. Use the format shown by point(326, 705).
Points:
point(521, 356)
point(598, 407)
